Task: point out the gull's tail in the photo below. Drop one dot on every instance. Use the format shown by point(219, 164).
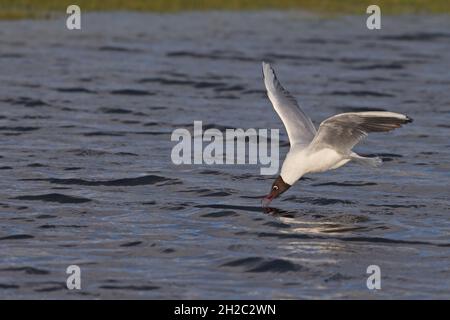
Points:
point(372, 162)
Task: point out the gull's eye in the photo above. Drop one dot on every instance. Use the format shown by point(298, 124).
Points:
point(275, 187)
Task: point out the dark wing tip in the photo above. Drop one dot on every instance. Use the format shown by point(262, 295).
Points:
point(269, 73)
point(263, 63)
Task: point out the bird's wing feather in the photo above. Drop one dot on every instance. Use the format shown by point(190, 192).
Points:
point(343, 131)
point(299, 127)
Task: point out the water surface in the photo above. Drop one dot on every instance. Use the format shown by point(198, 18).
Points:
point(87, 179)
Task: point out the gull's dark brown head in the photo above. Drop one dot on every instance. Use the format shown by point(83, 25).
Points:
point(278, 187)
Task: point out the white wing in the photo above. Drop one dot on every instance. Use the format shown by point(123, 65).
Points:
point(343, 131)
point(299, 127)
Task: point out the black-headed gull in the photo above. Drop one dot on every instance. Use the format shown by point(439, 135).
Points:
point(325, 149)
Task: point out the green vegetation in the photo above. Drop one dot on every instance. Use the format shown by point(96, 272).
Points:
point(16, 9)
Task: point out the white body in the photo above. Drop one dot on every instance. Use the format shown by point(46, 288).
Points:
point(300, 161)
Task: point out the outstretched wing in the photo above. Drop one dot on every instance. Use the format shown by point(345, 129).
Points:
point(299, 127)
point(343, 131)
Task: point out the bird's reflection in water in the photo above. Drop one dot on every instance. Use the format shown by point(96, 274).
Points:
point(279, 212)
point(304, 223)
point(306, 236)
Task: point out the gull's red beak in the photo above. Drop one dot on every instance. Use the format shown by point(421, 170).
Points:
point(268, 199)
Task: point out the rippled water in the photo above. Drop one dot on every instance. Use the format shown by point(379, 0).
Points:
point(86, 175)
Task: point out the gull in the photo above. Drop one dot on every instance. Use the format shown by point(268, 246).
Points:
point(329, 147)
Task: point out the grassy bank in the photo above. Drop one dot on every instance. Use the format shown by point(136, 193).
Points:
point(17, 9)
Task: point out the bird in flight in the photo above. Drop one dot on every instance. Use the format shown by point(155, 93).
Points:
point(327, 148)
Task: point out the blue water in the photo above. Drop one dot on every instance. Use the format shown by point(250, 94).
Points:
point(87, 179)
